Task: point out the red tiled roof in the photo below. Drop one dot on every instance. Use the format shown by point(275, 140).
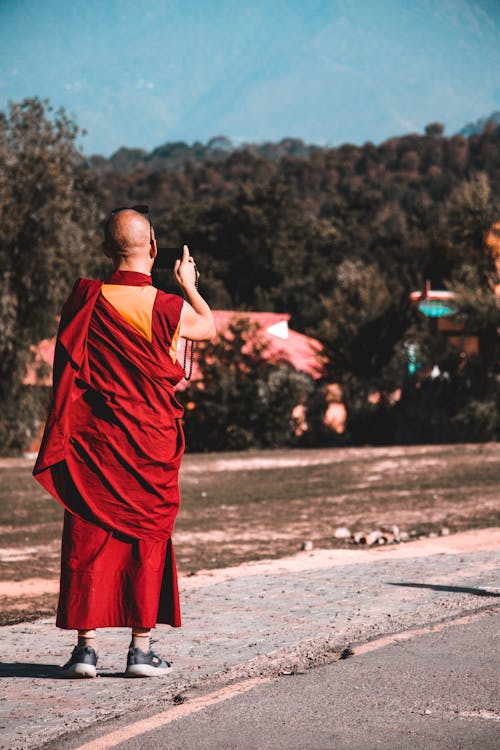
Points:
point(433, 294)
point(283, 343)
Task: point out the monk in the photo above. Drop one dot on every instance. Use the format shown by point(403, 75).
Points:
point(113, 445)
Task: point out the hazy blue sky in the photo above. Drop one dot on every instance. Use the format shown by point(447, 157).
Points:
point(145, 72)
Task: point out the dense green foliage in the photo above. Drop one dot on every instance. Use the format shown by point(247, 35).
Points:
point(48, 218)
point(336, 237)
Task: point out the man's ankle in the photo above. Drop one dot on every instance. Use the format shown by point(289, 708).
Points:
point(141, 640)
point(86, 638)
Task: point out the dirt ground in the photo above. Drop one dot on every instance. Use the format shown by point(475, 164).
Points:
point(241, 507)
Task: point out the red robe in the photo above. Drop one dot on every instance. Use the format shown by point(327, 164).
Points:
point(111, 453)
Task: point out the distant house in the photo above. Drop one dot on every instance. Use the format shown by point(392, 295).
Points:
point(438, 304)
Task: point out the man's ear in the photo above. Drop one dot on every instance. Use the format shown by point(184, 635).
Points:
point(153, 249)
point(105, 250)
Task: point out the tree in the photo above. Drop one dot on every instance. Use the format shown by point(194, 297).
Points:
point(363, 329)
point(242, 399)
point(362, 322)
point(463, 403)
point(48, 220)
point(434, 129)
point(258, 250)
point(474, 281)
point(469, 214)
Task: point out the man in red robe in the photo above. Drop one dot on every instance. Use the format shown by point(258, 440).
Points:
point(113, 445)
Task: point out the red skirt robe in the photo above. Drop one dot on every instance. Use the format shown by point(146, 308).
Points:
point(112, 450)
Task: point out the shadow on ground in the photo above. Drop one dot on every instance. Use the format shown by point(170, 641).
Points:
point(20, 669)
point(438, 587)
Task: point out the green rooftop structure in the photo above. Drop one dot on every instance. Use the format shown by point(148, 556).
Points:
point(434, 303)
point(435, 308)
point(439, 305)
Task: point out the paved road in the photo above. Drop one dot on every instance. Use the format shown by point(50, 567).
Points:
point(436, 690)
point(257, 622)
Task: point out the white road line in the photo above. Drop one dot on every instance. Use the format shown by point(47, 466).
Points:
point(388, 640)
point(172, 714)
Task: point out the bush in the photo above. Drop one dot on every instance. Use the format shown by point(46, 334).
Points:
point(241, 398)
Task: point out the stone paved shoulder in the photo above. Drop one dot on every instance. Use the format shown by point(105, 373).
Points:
point(264, 618)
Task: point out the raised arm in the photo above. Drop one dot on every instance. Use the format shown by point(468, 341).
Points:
point(197, 322)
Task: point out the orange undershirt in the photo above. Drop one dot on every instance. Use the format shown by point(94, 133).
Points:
point(135, 304)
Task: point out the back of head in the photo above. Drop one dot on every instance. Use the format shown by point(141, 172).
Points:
point(127, 235)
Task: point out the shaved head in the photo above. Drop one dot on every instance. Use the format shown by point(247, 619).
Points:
point(127, 234)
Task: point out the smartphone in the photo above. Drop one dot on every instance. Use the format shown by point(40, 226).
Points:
point(167, 256)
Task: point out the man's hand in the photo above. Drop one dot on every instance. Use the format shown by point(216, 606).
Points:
point(197, 322)
point(185, 271)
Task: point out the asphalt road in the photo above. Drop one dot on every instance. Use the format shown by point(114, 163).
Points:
point(426, 690)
